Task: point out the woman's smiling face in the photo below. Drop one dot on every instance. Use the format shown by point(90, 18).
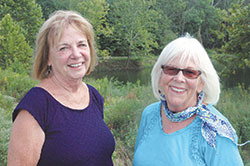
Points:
point(180, 91)
point(70, 58)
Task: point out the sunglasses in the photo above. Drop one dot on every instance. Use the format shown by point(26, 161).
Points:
point(188, 73)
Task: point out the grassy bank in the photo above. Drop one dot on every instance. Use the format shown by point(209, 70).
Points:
point(123, 107)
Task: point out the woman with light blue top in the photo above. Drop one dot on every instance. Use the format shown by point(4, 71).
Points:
point(184, 128)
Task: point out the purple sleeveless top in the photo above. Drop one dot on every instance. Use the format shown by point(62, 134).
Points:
point(72, 137)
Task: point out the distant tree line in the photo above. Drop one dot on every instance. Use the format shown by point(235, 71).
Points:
point(132, 28)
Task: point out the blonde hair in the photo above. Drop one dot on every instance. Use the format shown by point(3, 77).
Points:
point(50, 33)
point(188, 48)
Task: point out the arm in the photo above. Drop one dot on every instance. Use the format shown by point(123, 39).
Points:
point(26, 141)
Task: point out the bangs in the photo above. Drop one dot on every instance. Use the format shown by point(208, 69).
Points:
point(56, 32)
point(185, 56)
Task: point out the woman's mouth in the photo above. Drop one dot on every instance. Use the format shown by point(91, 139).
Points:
point(76, 65)
point(177, 89)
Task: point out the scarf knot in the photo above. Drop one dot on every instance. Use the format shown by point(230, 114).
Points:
point(211, 123)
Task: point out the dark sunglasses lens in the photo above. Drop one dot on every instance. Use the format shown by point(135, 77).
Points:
point(170, 70)
point(191, 73)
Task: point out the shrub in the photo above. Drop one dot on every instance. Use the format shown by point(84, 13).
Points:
point(7, 104)
point(14, 84)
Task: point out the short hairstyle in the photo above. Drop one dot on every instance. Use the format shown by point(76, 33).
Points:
point(51, 32)
point(187, 48)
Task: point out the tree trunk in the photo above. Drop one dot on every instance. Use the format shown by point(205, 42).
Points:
point(199, 35)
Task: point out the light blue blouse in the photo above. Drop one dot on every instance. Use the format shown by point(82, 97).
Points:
point(185, 147)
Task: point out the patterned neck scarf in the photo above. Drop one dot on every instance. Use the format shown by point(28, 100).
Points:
point(211, 123)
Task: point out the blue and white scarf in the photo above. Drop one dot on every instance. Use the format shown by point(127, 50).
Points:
point(211, 123)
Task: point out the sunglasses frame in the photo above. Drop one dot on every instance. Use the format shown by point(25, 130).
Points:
point(185, 72)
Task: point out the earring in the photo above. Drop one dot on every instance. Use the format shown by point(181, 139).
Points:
point(49, 68)
point(162, 95)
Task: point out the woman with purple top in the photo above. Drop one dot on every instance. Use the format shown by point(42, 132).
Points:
point(60, 121)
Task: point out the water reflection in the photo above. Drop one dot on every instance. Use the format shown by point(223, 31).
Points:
point(241, 77)
point(125, 75)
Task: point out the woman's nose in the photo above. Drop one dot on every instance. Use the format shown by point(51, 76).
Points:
point(75, 52)
point(179, 76)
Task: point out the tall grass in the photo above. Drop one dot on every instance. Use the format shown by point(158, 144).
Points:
point(123, 106)
point(6, 105)
point(235, 105)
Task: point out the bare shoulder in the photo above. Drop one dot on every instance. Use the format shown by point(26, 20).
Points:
point(27, 137)
point(26, 125)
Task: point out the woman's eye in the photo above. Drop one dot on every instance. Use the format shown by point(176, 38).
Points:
point(62, 48)
point(189, 71)
point(83, 45)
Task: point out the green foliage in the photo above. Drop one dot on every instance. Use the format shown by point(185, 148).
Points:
point(140, 28)
point(133, 20)
point(223, 4)
point(234, 104)
point(238, 29)
point(199, 18)
point(96, 12)
point(48, 6)
point(14, 84)
point(26, 13)
point(211, 30)
point(6, 105)
point(203, 20)
point(173, 12)
point(15, 53)
point(234, 55)
point(165, 29)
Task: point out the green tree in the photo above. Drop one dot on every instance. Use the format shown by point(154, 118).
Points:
point(15, 52)
point(164, 27)
point(172, 10)
point(222, 4)
point(238, 29)
point(48, 6)
point(236, 24)
point(96, 12)
point(211, 31)
point(199, 18)
point(26, 13)
point(133, 22)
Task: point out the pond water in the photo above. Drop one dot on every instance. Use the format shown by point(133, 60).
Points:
point(125, 75)
point(242, 77)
